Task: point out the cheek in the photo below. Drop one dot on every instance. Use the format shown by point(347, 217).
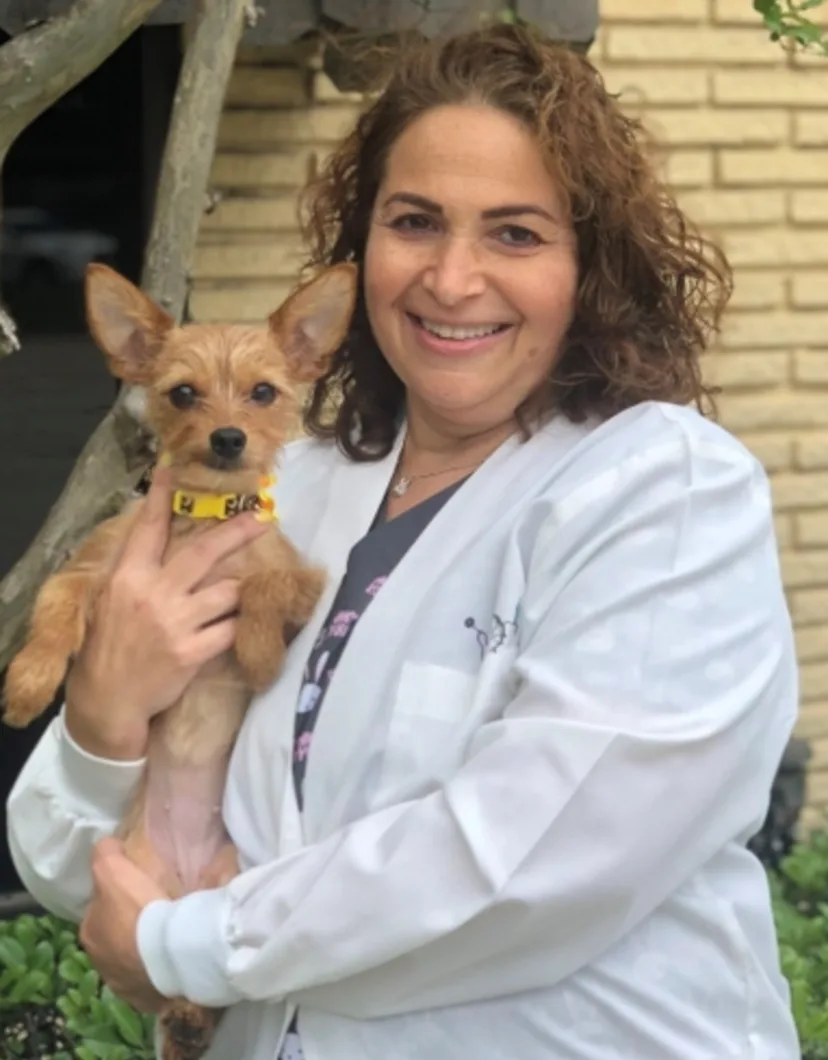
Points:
point(387, 274)
point(548, 301)
point(375, 284)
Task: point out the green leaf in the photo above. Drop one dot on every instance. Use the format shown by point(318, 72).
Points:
point(69, 970)
point(90, 983)
point(98, 1050)
point(99, 1010)
point(26, 932)
point(97, 1032)
point(807, 33)
point(29, 987)
point(77, 997)
point(128, 1022)
point(12, 953)
point(44, 955)
point(67, 1006)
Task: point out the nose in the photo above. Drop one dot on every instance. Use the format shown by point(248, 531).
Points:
point(455, 272)
point(228, 442)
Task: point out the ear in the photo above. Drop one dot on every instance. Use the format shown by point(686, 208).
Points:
point(312, 323)
point(127, 325)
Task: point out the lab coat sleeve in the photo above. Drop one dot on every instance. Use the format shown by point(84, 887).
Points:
point(63, 801)
point(656, 691)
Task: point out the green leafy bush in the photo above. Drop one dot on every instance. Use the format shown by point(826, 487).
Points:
point(53, 1004)
point(800, 895)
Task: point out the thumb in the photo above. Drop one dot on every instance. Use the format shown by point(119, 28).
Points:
point(107, 848)
point(150, 532)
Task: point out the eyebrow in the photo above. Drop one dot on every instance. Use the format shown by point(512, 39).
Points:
point(497, 212)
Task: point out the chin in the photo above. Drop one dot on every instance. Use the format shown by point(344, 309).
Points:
point(207, 475)
point(455, 401)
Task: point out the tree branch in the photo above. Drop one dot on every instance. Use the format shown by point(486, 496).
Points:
point(9, 342)
point(41, 65)
point(188, 155)
point(107, 467)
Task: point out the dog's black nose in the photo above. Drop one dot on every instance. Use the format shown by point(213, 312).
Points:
point(228, 442)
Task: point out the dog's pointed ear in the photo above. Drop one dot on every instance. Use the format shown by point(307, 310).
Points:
point(313, 322)
point(127, 325)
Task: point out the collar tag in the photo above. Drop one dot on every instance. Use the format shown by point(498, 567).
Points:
point(223, 506)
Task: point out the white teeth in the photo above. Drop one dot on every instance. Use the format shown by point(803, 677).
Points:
point(443, 331)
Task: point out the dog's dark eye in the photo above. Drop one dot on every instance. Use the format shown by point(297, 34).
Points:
point(184, 396)
point(263, 394)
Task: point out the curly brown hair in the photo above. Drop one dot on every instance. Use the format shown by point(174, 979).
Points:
point(651, 289)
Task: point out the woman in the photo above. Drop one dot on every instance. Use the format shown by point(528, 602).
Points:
point(497, 804)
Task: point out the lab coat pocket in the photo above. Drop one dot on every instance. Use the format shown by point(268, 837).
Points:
point(428, 729)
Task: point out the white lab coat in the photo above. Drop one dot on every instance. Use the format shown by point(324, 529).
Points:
point(531, 781)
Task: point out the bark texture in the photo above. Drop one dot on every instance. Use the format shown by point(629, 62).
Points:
point(109, 463)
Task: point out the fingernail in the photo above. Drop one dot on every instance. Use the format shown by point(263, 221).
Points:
point(164, 460)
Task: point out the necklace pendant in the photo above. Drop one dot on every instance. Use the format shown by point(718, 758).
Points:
point(401, 487)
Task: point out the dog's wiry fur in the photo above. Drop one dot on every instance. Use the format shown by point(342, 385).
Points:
point(174, 830)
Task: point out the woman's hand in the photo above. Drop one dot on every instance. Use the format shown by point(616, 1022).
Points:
point(109, 929)
point(153, 628)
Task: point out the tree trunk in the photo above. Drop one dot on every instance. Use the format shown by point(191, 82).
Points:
point(106, 468)
point(41, 65)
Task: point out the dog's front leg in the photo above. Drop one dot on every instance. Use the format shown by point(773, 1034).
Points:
point(271, 603)
point(57, 632)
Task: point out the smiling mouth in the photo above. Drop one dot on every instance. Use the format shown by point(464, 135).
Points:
point(458, 333)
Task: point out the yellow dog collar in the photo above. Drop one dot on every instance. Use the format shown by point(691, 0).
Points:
point(226, 505)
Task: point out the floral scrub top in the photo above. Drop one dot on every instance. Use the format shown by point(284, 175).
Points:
point(370, 562)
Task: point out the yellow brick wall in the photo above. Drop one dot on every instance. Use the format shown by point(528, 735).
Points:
point(744, 129)
point(281, 119)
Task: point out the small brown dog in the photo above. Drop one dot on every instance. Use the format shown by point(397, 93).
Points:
point(221, 401)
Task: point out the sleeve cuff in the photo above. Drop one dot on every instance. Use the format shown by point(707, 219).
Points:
point(96, 784)
point(184, 949)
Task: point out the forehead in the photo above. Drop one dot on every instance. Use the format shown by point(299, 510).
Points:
point(474, 154)
point(222, 354)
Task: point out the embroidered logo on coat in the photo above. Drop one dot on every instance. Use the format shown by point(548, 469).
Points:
point(502, 632)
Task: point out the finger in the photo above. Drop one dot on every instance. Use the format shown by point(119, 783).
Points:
point(212, 641)
point(106, 847)
point(83, 932)
point(190, 565)
point(219, 600)
point(150, 533)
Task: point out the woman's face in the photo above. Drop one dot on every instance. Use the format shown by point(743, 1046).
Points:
point(470, 268)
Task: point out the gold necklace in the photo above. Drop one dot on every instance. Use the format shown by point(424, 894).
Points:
point(403, 483)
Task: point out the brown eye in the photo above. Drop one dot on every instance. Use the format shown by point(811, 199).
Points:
point(184, 396)
point(263, 394)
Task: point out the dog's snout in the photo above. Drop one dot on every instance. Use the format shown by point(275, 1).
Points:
point(228, 442)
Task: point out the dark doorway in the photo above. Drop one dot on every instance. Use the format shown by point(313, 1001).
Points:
point(76, 187)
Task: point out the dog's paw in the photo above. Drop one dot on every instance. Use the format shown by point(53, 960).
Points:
point(32, 681)
point(188, 1030)
point(260, 659)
